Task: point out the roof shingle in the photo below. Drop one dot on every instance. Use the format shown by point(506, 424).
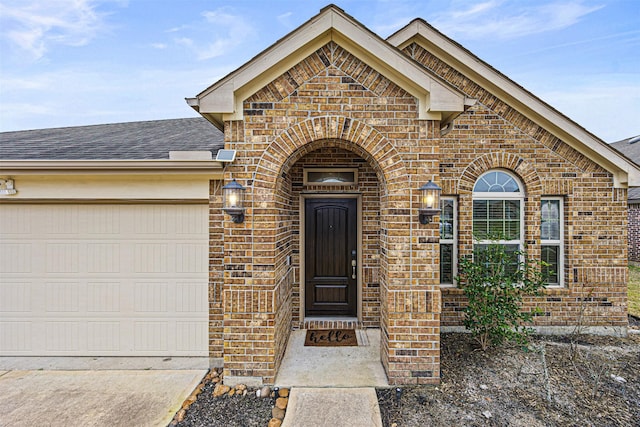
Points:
point(150, 140)
point(630, 147)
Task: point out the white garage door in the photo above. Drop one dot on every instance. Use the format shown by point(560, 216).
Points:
point(104, 280)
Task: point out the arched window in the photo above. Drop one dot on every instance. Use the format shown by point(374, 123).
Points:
point(498, 210)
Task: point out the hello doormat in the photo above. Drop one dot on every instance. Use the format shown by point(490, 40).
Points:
point(331, 337)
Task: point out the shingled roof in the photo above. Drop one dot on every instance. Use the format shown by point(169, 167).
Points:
point(630, 147)
point(150, 140)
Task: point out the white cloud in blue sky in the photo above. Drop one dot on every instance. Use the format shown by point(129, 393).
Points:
point(77, 62)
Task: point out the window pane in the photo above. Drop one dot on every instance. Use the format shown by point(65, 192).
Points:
point(331, 177)
point(496, 182)
point(496, 219)
point(550, 256)
point(512, 230)
point(512, 209)
point(496, 209)
point(480, 209)
point(446, 263)
point(446, 219)
point(485, 252)
point(550, 224)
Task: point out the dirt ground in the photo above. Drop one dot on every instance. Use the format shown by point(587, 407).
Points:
point(558, 381)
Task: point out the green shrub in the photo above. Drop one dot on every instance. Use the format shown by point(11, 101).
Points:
point(495, 280)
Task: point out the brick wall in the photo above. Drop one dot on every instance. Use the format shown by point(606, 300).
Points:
point(494, 135)
point(331, 101)
point(332, 109)
point(634, 232)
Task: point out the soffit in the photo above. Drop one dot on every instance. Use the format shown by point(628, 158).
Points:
point(223, 100)
point(625, 173)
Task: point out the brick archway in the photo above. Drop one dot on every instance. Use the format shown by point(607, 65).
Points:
point(281, 153)
point(501, 160)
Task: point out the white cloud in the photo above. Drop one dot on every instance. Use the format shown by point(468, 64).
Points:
point(285, 20)
point(229, 32)
point(100, 94)
point(36, 26)
point(499, 19)
point(159, 45)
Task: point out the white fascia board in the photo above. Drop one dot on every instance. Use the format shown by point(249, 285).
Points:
point(22, 167)
point(625, 173)
point(227, 95)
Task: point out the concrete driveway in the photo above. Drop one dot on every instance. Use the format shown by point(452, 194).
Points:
point(94, 398)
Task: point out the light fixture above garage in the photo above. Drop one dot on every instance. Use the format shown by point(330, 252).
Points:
point(7, 186)
point(429, 202)
point(233, 201)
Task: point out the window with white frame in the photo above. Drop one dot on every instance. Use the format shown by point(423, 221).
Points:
point(498, 211)
point(448, 240)
point(551, 238)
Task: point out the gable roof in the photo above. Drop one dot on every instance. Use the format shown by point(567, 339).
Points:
point(148, 140)
point(625, 173)
point(223, 100)
point(630, 147)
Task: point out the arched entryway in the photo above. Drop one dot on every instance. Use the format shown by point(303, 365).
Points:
point(399, 291)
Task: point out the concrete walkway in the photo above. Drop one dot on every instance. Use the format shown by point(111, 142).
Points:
point(333, 386)
point(320, 407)
point(94, 398)
point(333, 366)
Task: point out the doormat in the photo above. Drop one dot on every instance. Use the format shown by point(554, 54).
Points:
point(331, 337)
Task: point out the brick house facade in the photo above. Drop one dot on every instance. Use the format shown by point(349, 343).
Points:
point(334, 131)
point(413, 108)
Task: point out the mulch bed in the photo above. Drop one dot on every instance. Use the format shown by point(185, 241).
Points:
point(513, 387)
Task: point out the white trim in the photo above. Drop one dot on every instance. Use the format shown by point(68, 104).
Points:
point(560, 243)
point(68, 167)
point(453, 242)
point(223, 100)
point(520, 196)
point(625, 172)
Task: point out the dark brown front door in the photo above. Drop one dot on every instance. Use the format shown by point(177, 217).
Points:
point(331, 239)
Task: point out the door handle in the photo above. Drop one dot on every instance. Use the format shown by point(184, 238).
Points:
point(354, 263)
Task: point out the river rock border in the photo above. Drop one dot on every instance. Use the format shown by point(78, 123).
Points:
point(280, 396)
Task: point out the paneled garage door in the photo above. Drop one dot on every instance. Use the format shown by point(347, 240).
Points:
point(103, 280)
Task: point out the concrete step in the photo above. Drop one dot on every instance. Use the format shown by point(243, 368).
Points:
point(319, 407)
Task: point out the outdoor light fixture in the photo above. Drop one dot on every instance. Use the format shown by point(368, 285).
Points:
point(429, 202)
point(7, 187)
point(233, 201)
point(398, 394)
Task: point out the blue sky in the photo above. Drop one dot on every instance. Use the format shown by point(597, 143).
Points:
point(80, 62)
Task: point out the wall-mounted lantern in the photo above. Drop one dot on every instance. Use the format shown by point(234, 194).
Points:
point(429, 202)
point(233, 201)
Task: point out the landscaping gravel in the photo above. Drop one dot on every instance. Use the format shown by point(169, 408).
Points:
point(579, 380)
point(228, 411)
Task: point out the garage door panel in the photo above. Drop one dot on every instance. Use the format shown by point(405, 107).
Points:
point(63, 258)
point(114, 280)
point(15, 297)
point(104, 297)
point(15, 336)
point(17, 257)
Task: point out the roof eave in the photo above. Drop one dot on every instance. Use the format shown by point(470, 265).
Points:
point(625, 173)
point(223, 100)
point(190, 167)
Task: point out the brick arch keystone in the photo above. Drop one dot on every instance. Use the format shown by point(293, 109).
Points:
point(369, 144)
point(501, 160)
